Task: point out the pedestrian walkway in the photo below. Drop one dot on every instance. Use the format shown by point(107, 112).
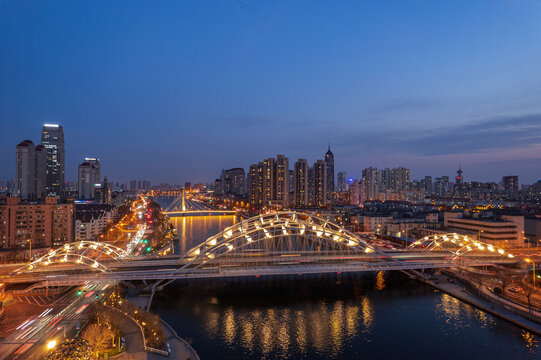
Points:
point(457, 290)
point(178, 347)
point(135, 349)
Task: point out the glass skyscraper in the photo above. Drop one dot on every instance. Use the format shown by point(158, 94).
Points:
point(52, 137)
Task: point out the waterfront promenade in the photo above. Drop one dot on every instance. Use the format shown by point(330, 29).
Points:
point(459, 291)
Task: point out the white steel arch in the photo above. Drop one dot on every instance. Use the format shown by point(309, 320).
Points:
point(278, 233)
point(87, 253)
point(458, 245)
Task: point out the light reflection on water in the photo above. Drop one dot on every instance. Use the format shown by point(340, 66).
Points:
point(193, 230)
point(325, 327)
point(374, 316)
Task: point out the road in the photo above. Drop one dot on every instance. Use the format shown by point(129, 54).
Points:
point(27, 329)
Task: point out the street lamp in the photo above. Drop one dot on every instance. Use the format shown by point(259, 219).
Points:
point(29, 249)
point(479, 236)
point(533, 268)
point(51, 344)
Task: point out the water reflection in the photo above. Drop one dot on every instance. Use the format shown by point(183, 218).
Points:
point(380, 281)
point(193, 230)
point(531, 342)
point(327, 327)
point(458, 314)
point(333, 316)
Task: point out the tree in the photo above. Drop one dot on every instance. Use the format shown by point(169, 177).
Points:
point(98, 336)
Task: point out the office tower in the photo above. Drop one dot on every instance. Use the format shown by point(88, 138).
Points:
point(282, 180)
point(320, 183)
point(133, 185)
point(459, 177)
point(25, 170)
point(371, 181)
point(89, 176)
point(342, 182)
point(301, 182)
point(510, 183)
point(400, 179)
point(52, 137)
point(41, 171)
point(329, 170)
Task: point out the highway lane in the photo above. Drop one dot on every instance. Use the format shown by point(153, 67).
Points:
point(28, 340)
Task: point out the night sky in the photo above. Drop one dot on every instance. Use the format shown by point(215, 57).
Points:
point(174, 91)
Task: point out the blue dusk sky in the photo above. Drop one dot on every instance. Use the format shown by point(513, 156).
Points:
point(174, 91)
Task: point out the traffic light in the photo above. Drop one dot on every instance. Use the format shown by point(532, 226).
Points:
point(79, 292)
point(145, 241)
point(149, 248)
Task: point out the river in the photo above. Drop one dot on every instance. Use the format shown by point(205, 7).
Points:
point(381, 315)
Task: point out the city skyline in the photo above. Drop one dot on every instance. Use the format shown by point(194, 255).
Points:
point(192, 90)
point(270, 180)
point(416, 175)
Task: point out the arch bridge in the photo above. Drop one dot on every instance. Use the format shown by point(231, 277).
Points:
point(186, 206)
point(273, 244)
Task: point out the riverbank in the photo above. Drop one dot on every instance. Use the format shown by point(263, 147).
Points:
point(177, 347)
point(458, 291)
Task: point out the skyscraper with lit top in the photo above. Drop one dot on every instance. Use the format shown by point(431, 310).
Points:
point(329, 169)
point(52, 138)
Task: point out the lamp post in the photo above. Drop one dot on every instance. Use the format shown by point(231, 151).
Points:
point(479, 235)
point(29, 249)
point(533, 268)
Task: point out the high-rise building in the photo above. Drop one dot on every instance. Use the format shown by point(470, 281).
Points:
point(233, 181)
point(133, 185)
point(459, 177)
point(89, 176)
point(385, 179)
point(41, 171)
point(52, 137)
point(291, 185)
point(146, 185)
point(268, 182)
point(400, 179)
point(311, 200)
point(282, 180)
point(269, 177)
point(255, 185)
point(25, 170)
point(329, 170)
point(320, 183)
point(371, 181)
point(106, 199)
point(510, 183)
point(47, 224)
point(428, 185)
point(342, 182)
point(301, 182)
point(218, 187)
